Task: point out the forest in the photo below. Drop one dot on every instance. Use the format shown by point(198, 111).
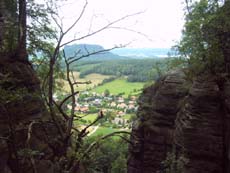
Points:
point(136, 70)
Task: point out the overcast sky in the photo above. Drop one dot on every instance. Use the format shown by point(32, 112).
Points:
point(160, 24)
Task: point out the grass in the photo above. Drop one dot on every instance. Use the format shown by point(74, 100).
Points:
point(90, 117)
point(120, 86)
point(94, 78)
point(128, 116)
point(104, 131)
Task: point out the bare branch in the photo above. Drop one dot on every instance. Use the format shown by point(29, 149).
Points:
point(75, 55)
point(78, 19)
point(80, 117)
point(187, 6)
point(103, 138)
point(84, 131)
point(68, 97)
point(61, 110)
point(93, 53)
point(102, 28)
point(131, 30)
point(125, 139)
point(60, 27)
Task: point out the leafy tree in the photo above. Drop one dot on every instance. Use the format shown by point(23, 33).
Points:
point(106, 92)
point(13, 28)
point(109, 157)
point(205, 40)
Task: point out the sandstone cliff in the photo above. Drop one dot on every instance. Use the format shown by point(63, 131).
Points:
point(182, 127)
point(28, 140)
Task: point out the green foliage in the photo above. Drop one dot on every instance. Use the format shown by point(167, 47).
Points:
point(106, 92)
point(107, 80)
point(136, 70)
point(109, 156)
point(9, 28)
point(39, 22)
point(206, 36)
point(41, 66)
point(120, 87)
point(39, 43)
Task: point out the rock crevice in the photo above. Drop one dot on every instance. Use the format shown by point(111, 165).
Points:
point(190, 121)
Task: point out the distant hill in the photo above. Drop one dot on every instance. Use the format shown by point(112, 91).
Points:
point(143, 52)
point(84, 49)
point(116, 54)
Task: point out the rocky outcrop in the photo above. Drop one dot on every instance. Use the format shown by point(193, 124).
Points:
point(190, 122)
point(152, 134)
point(29, 142)
point(200, 127)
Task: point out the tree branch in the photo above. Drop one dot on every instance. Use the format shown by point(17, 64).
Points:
point(102, 138)
point(92, 53)
point(78, 19)
point(102, 28)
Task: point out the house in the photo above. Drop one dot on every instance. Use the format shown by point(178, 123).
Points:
point(122, 106)
point(131, 102)
point(113, 104)
point(85, 93)
point(120, 100)
point(120, 113)
point(108, 98)
point(84, 109)
point(119, 121)
point(131, 106)
point(69, 106)
point(97, 102)
point(133, 98)
point(77, 108)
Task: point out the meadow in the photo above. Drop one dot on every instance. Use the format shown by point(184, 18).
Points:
point(119, 86)
point(104, 131)
point(94, 78)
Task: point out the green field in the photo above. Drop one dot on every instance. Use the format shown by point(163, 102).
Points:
point(104, 131)
point(90, 117)
point(120, 86)
point(128, 116)
point(94, 78)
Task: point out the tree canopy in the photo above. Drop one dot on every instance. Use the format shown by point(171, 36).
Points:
point(206, 36)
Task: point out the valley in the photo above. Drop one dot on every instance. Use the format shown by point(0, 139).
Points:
point(117, 99)
point(112, 84)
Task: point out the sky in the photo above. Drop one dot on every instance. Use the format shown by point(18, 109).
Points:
point(158, 25)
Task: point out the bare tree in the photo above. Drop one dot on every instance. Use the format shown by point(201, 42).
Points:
point(58, 51)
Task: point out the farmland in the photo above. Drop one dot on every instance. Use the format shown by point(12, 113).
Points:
point(120, 86)
point(94, 78)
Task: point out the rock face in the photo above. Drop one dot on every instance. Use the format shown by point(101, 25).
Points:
point(152, 134)
point(200, 128)
point(190, 122)
point(28, 141)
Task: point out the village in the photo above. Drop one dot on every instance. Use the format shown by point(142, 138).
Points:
point(117, 110)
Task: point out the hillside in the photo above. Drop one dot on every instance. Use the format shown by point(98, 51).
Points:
point(84, 49)
point(140, 53)
point(136, 70)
